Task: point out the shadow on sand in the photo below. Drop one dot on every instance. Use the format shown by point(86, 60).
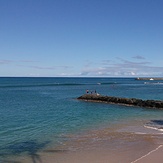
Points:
point(29, 147)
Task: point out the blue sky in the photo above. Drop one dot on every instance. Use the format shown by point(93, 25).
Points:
point(104, 38)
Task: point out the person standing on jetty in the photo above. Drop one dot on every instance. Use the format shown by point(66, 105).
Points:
point(87, 91)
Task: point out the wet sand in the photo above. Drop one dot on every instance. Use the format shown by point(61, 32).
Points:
point(109, 145)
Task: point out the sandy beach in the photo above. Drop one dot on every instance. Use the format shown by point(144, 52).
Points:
point(153, 156)
point(111, 145)
point(98, 156)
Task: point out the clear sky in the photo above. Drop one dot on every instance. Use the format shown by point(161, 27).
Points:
point(107, 38)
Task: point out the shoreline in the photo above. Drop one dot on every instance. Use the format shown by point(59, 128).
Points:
point(113, 145)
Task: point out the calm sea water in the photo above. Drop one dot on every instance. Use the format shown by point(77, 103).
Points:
point(39, 112)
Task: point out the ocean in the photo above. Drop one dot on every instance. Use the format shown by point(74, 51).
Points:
point(38, 114)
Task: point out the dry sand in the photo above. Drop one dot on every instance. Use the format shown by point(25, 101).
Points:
point(154, 156)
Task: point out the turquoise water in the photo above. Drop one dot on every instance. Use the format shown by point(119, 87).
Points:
point(39, 112)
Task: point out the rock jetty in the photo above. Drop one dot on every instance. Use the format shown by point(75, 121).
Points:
point(122, 101)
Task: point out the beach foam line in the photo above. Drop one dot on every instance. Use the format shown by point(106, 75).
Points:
point(154, 128)
point(147, 154)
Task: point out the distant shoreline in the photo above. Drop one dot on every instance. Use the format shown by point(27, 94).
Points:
point(147, 78)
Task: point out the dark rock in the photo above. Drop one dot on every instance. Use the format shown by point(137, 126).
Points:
point(124, 101)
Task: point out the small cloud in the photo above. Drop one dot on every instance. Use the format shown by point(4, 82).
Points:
point(40, 67)
point(138, 57)
point(84, 73)
point(89, 63)
point(46, 68)
point(64, 67)
point(6, 61)
point(27, 61)
point(105, 62)
point(133, 73)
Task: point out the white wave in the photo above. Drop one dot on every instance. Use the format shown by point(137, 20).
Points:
point(140, 133)
point(154, 128)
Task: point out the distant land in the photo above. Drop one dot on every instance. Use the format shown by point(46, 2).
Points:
point(150, 78)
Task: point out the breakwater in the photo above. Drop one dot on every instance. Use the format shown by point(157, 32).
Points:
point(123, 101)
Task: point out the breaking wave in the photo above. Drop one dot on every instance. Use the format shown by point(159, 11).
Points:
point(155, 125)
